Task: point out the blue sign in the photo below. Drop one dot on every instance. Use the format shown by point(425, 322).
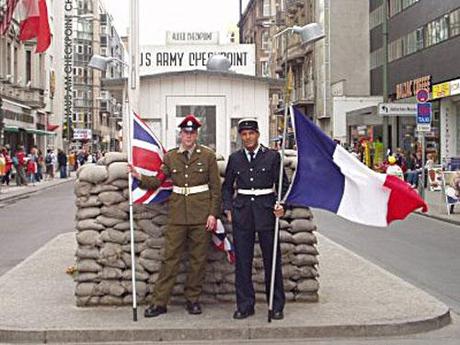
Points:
point(424, 113)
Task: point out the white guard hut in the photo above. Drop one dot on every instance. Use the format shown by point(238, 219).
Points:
point(218, 99)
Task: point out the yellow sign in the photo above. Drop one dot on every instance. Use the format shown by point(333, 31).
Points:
point(441, 90)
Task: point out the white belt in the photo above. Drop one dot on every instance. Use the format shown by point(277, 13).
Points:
point(256, 192)
point(190, 190)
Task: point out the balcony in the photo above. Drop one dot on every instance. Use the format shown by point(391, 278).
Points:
point(292, 6)
point(32, 97)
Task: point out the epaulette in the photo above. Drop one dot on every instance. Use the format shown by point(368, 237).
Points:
point(173, 149)
point(207, 148)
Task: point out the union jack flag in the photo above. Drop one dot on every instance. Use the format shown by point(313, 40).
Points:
point(7, 8)
point(147, 158)
point(221, 242)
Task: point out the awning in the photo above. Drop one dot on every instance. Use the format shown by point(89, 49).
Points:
point(14, 129)
point(52, 127)
point(39, 131)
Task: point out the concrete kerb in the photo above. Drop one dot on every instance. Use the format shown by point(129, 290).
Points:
point(440, 218)
point(37, 188)
point(354, 309)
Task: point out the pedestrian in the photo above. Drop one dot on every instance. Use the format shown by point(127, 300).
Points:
point(254, 170)
point(193, 207)
point(19, 162)
point(40, 165)
point(8, 166)
point(31, 169)
point(49, 164)
point(62, 163)
point(72, 160)
point(2, 164)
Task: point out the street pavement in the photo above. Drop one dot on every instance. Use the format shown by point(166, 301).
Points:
point(420, 250)
point(437, 208)
point(31, 216)
point(414, 250)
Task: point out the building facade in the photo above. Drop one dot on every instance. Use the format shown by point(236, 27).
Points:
point(94, 108)
point(423, 44)
point(27, 90)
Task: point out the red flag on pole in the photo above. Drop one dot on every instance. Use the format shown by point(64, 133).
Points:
point(34, 24)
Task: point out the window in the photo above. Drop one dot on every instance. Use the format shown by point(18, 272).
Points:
point(454, 23)
point(410, 43)
point(437, 31)
point(376, 17)
point(266, 8)
point(28, 66)
point(407, 3)
point(265, 41)
point(419, 34)
point(395, 6)
point(79, 49)
point(395, 50)
point(265, 70)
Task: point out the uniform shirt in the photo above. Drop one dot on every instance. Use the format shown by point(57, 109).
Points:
point(255, 153)
point(199, 169)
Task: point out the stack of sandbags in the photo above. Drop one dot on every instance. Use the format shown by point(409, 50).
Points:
point(103, 261)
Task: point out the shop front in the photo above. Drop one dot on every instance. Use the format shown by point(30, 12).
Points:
point(447, 95)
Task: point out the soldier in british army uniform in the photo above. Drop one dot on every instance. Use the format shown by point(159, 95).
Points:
point(254, 172)
point(193, 207)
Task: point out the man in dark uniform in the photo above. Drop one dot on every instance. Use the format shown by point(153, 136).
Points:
point(193, 208)
point(255, 172)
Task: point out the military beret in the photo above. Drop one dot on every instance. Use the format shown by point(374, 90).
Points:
point(190, 123)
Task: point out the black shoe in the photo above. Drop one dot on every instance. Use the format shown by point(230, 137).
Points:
point(240, 315)
point(155, 310)
point(193, 308)
point(277, 315)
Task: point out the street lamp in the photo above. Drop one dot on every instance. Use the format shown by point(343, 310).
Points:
point(218, 63)
point(309, 33)
point(100, 62)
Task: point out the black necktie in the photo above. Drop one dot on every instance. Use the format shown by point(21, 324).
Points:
point(251, 155)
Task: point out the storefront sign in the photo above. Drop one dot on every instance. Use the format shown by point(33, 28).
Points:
point(162, 59)
point(441, 90)
point(82, 134)
point(409, 88)
point(397, 109)
point(181, 37)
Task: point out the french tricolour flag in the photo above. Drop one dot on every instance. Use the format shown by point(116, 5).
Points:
point(330, 178)
point(147, 158)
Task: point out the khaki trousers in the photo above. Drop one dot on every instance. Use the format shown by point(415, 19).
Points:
point(177, 239)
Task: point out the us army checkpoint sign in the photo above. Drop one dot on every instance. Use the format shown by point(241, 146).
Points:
point(175, 58)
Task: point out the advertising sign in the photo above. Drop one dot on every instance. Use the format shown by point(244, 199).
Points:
point(82, 133)
point(162, 59)
point(441, 90)
point(424, 117)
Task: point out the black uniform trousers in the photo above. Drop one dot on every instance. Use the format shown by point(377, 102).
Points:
point(244, 240)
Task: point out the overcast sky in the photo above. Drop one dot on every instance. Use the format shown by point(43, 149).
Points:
point(157, 17)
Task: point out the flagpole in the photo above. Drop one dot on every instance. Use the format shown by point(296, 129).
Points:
point(133, 81)
point(288, 89)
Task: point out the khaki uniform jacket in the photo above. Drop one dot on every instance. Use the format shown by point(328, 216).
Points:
point(200, 169)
